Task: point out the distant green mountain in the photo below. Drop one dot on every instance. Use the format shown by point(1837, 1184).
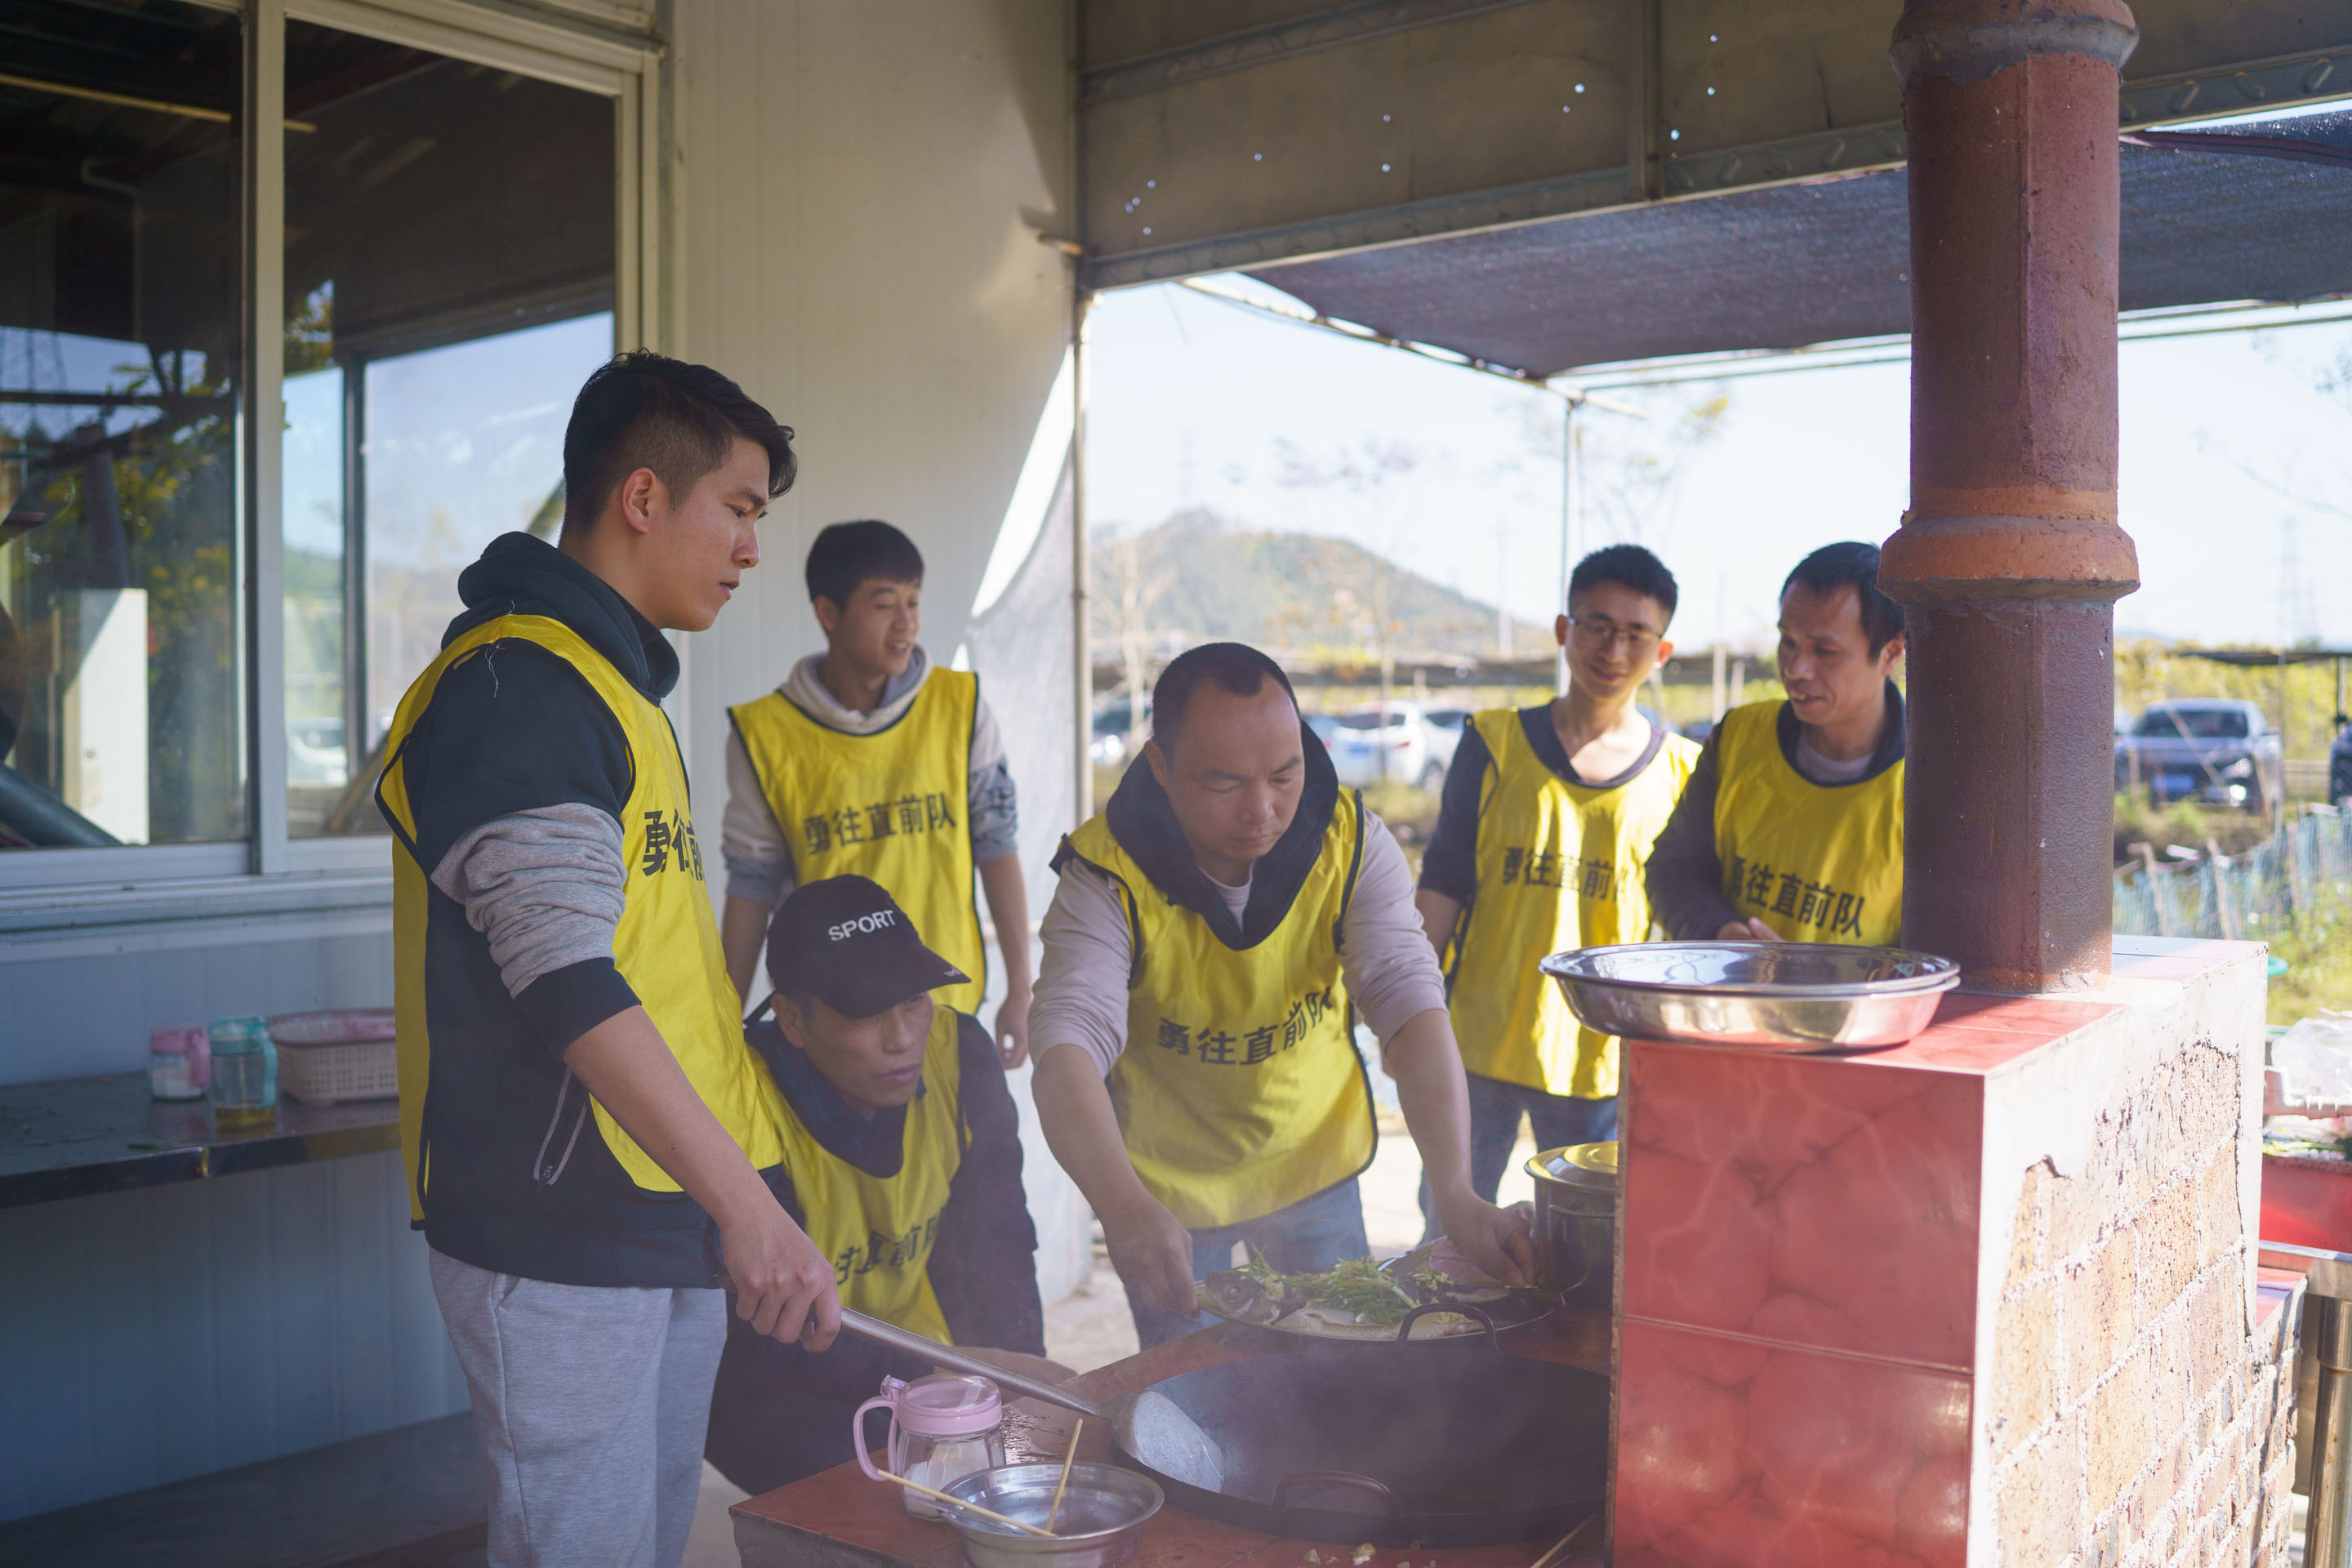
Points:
point(1196, 579)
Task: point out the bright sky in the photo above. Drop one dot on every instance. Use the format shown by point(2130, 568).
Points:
point(1191, 399)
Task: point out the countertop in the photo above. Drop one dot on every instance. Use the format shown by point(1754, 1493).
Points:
point(74, 1137)
point(841, 1519)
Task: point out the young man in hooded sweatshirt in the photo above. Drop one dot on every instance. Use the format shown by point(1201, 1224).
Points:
point(586, 1127)
point(869, 761)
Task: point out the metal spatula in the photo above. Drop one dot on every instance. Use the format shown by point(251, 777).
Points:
point(1149, 1426)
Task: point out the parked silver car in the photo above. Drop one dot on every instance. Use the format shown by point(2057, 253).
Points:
point(2209, 750)
point(1445, 726)
point(1365, 749)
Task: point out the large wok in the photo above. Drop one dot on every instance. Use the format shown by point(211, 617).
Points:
point(1460, 1446)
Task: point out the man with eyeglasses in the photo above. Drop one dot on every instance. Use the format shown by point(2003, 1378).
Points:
point(1791, 829)
point(1548, 817)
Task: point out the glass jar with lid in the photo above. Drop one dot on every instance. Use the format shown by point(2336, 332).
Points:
point(941, 1427)
point(178, 1062)
point(244, 1075)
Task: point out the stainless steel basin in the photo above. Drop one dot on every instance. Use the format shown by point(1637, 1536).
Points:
point(1784, 996)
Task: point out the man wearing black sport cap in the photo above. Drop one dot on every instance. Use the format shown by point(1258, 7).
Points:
point(902, 1161)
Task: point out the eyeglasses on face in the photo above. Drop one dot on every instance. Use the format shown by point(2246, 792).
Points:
point(1608, 633)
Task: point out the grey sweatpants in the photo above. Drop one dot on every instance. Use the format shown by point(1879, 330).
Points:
point(590, 1403)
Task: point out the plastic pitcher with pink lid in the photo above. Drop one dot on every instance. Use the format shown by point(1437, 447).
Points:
point(942, 1426)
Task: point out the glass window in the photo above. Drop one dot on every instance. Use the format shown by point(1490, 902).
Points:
point(2194, 724)
point(449, 276)
point(121, 665)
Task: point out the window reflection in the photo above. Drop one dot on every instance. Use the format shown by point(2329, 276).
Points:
point(463, 444)
point(317, 763)
point(120, 674)
point(449, 233)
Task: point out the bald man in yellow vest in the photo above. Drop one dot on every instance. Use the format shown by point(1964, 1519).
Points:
point(1215, 931)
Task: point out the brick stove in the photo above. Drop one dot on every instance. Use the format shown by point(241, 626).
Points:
point(1987, 1298)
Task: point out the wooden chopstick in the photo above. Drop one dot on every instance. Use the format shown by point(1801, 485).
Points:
point(1558, 1547)
point(967, 1507)
point(1565, 1541)
point(1055, 1511)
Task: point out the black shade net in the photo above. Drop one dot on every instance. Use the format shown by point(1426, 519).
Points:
point(2260, 210)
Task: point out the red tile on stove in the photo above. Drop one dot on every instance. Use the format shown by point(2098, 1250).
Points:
point(1732, 1454)
point(1796, 1200)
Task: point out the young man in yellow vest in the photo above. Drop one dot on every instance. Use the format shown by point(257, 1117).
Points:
point(1548, 816)
point(902, 1159)
point(869, 761)
point(1791, 829)
point(1215, 932)
point(585, 1127)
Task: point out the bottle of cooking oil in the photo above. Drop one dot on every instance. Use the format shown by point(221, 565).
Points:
point(243, 1076)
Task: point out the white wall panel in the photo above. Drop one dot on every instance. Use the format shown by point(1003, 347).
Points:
point(88, 1008)
point(150, 1336)
point(862, 187)
point(861, 191)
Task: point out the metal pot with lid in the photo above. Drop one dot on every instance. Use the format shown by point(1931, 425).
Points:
point(1576, 1222)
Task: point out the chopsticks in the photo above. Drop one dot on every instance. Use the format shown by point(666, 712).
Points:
point(1060, 1486)
point(1564, 1543)
point(1559, 1546)
point(968, 1506)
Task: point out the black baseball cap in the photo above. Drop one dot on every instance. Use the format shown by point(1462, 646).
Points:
point(847, 942)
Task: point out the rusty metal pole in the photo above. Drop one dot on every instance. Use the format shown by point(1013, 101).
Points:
point(2010, 561)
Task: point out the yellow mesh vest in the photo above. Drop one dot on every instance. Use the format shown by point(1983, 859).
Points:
point(889, 806)
point(1559, 866)
point(879, 1231)
point(666, 946)
point(1240, 1092)
point(1815, 862)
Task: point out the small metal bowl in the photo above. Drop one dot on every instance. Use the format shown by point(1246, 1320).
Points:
point(1103, 1512)
point(1786, 996)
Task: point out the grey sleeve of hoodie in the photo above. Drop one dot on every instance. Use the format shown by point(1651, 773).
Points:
point(545, 886)
point(994, 812)
point(752, 842)
point(1392, 970)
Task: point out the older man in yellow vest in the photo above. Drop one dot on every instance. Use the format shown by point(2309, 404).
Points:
point(1791, 827)
point(1215, 932)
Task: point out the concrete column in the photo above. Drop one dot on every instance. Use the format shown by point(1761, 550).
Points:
point(2009, 560)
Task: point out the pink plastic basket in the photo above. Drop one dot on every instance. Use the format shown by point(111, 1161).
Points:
point(334, 1027)
point(342, 1054)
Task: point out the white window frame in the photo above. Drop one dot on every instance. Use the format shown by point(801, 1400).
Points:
point(590, 45)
